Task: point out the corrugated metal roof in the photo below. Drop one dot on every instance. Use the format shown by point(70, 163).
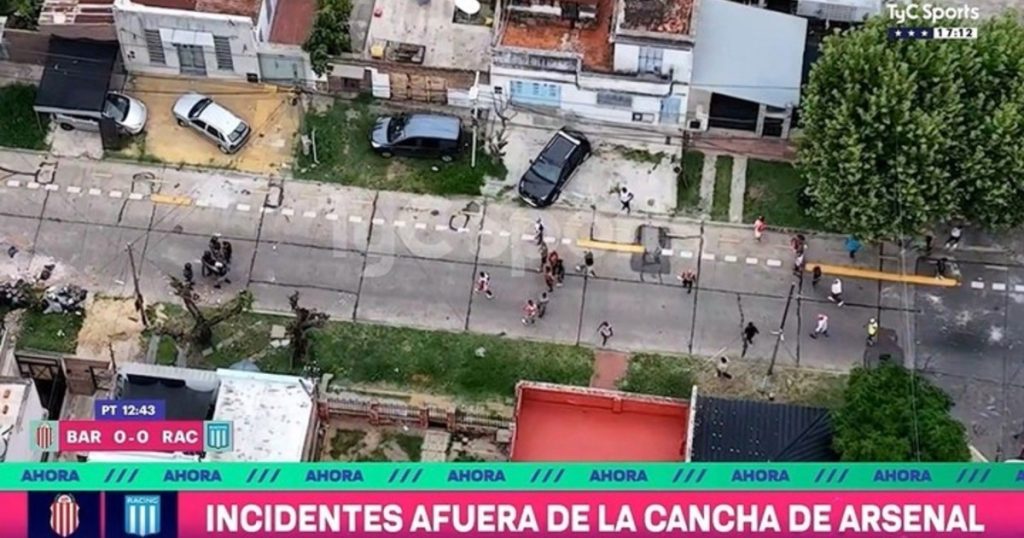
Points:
point(748, 53)
point(747, 431)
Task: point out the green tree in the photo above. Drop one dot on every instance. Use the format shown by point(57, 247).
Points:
point(891, 414)
point(899, 135)
point(23, 13)
point(330, 35)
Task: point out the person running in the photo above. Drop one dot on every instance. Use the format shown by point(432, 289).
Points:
point(954, 237)
point(626, 199)
point(872, 327)
point(483, 284)
point(606, 332)
point(759, 228)
point(559, 269)
point(587, 267)
point(529, 312)
point(542, 304)
point(836, 295)
point(688, 278)
point(749, 332)
point(822, 327)
point(188, 275)
point(852, 246)
point(538, 231)
point(815, 276)
point(722, 368)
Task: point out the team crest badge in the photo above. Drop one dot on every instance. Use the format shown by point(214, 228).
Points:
point(64, 515)
point(142, 515)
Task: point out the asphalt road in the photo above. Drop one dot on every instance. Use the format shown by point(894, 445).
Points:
point(410, 260)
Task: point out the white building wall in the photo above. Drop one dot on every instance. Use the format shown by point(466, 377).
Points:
point(19, 446)
point(268, 10)
point(676, 61)
point(132, 21)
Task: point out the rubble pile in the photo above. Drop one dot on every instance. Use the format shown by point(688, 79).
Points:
point(64, 299)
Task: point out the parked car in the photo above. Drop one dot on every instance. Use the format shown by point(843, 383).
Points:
point(548, 174)
point(418, 135)
point(129, 114)
point(213, 121)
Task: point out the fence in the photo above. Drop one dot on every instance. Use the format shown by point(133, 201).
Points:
point(393, 412)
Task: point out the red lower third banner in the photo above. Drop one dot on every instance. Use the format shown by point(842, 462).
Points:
point(444, 514)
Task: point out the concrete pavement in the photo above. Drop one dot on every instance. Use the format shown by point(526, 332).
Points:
point(410, 260)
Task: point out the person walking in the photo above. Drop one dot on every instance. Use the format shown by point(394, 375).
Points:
point(798, 243)
point(852, 246)
point(543, 249)
point(626, 199)
point(553, 258)
point(836, 295)
point(549, 278)
point(941, 265)
point(587, 267)
point(954, 237)
point(815, 276)
point(606, 332)
point(226, 250)
point(759, 227)
point(542, 304)
point(821, 327)
point(798, 264)
point(722, 368)
point(688, 278)
point(872, 327)
point(483, 284)
point(749, 332)
point(538, 231)
point(188, 275)
point(529, 312)
point(559, 270)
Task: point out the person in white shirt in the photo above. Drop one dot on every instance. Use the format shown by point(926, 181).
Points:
point(625, 198)
point(837, 292)
point(822, 326)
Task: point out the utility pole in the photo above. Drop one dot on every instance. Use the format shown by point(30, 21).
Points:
point(682, 158)
point(782, 327)
point(476, 120)
point(140, 305)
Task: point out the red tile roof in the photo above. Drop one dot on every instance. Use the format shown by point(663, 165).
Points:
point(293, 21)
point(592, 43)
point(244, 8)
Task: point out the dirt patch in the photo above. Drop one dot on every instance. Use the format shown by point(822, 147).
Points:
point(352, 439)
point(110, 323)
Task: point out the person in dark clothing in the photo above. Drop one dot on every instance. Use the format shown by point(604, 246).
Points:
point(559, 269)
point(208, 263)
point(940, 268)
point(815, 276)
point(688, 278)
point(587, 267)
point(749, 332)
point(215, 246)
point(188, 275)
point(226, 251)
point(549, 278)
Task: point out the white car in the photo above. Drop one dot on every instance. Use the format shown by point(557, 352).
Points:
point(127, 112)
point(213, 121)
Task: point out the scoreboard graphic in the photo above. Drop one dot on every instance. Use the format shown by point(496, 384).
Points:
point(132, 435)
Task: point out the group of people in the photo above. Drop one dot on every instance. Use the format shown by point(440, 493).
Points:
point(216, 263)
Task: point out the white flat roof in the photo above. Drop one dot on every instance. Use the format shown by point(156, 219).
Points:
point(271, 415)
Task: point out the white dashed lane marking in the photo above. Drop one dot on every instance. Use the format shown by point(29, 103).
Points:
point(131, 196)
point(331, 216)
point(114, 194)
point(421, 225)
point(730, 258)
point(774, 263)
point(94, 192)
point(243, 207)
point(978, 285)
point(74, 190)
point(13, 183)
point(355, 218)
point(998, 286)
point(309, 214)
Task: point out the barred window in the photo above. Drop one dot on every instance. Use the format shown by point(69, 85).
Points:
point(155, 47)
point(615, 99)
point(222, 48)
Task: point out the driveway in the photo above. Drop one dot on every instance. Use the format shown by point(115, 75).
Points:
point(646, 169)
point(267, 109)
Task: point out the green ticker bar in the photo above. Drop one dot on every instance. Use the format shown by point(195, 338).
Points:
point(508, 476)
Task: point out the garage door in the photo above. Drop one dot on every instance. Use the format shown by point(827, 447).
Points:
point(281, 69)
point(536, 93)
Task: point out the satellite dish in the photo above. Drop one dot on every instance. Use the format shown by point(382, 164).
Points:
point(469, 7)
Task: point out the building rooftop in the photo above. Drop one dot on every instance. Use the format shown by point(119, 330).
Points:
point(592, 43)
point(748, 431)
point(293, 22)
point(243, 8)
point(271, 415)
point(12, 398)
point(431, 25)
point(661, 16)
point(562, 423)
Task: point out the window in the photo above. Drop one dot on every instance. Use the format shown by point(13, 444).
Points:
point(222, 48)
point(650, 60)
point(155, 47)
point(615, 99)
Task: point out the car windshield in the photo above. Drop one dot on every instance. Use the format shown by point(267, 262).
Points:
point(545, 170)
point(396, 126)
point(238, 133)
point(199, 108)
point(116, 107)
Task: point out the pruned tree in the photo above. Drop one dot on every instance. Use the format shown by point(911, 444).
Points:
point(898, 135)
point(298, 330)
point(330, 35)
point(201, 332)
point(891, 414)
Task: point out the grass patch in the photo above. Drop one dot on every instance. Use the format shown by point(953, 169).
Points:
point(166, 352)
point(19, 125)
point(723, 188)
point(444, 362)
point(344, 442)
point(660, 375)
point(412, 445)
point(688, 190)
point(343, 149)
point(56, 333)
point(776, 190)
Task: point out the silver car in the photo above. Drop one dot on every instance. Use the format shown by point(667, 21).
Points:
point(213, 121)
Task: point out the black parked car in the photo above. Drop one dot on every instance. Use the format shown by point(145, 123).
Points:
point(542, 184)
point(418, 135)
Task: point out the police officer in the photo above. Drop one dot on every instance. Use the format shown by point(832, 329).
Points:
point(872, 327)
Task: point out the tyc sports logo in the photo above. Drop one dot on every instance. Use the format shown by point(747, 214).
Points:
point(64, 515)
point(141, 515)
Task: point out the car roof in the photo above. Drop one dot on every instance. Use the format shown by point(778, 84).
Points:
point(219, 118)
point(559, 147)
point(432, 126)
